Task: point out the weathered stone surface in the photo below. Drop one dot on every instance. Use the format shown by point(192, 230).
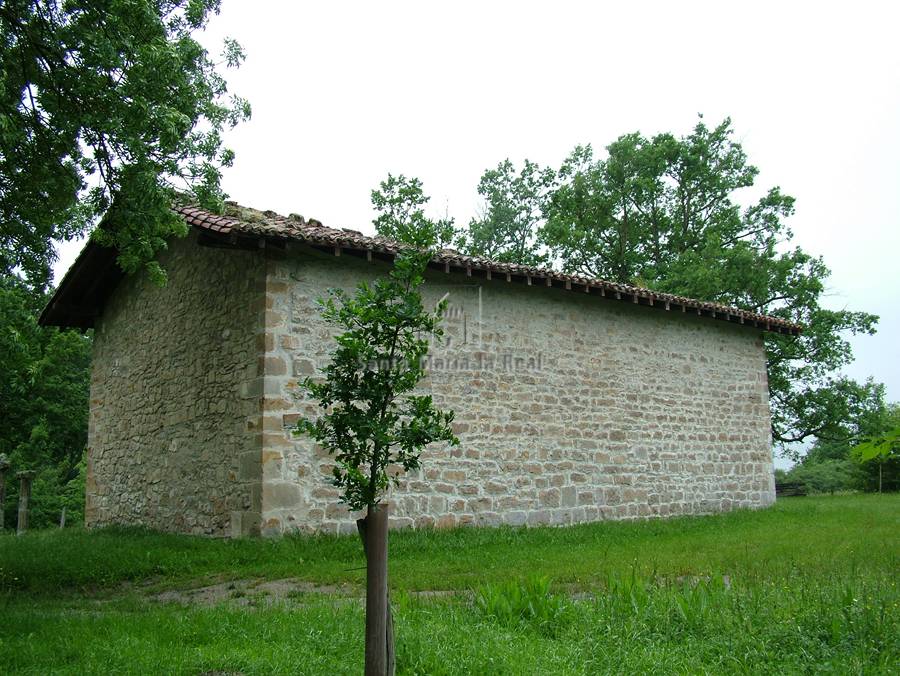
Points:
point(569, 407)
point(174, 385)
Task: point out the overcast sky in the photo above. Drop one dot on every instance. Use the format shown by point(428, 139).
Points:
point(342, 93)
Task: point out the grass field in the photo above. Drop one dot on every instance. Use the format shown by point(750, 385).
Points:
point(809, 586)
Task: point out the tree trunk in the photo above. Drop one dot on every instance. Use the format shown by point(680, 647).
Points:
point(880, 466)
point(2, 494)
point(379, 623)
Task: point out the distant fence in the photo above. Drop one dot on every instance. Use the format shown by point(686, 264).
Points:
point(25, 477)
point(789, 489)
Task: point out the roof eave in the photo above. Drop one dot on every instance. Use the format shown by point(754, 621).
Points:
point(83, 291)
point(80, 296)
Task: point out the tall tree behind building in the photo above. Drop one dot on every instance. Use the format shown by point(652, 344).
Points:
point(664, 213)
point(107, 109)
point(507, 228)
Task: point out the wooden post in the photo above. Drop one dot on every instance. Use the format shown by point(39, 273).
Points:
point(391, 658)
point(376, 591)
point(25, 477)
point(62, 518)
point(4, 465)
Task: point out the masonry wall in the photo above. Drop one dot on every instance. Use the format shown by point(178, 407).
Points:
point(569, 407)
point(175, 438)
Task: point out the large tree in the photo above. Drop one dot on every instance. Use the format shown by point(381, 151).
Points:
point(106, 107)
point(671, 214)
point(506, 229)
point(666, 213)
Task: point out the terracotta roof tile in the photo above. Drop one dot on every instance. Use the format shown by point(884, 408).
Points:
point(238, 219)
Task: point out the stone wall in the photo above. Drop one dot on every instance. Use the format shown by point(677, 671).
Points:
point(569, 407)
point(174, 439)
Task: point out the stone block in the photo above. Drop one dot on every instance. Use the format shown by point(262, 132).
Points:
point(446, 521)
point(304, 367)
point(399, 522)
point(424, 521)
point(244, 524)
point(515, 518)
point(250, 468)
point(539, 517)
point(488, 519)
point(549, 498)
point(281, 495)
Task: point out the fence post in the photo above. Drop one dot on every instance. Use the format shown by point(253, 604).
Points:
point(4, 465)
point(25, 477)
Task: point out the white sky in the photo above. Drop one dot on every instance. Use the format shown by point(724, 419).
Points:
point(342, 93)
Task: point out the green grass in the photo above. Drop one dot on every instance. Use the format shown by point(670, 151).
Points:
point(816, 535)
point(808, 586)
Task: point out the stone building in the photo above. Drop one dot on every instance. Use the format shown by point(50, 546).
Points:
point(575, 399)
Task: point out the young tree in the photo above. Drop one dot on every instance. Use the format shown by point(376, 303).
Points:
point(879, 450)
point(863, 424)
point(663, 213)
point(400, 204)
point(107, 107)
point(372, 421)
point(513, 209)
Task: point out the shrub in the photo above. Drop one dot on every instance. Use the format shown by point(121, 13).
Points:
point(828, 476)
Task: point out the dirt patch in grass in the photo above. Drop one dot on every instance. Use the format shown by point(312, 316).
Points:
point(254, 591)
point(259, 591)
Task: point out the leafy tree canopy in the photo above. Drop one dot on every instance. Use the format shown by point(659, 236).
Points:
point(882, 447)
point(879, 440)
point(663, 212)
point(44, 381)
point(107, 107)
point(507, 228)
point(866, 430)
point(828, 476)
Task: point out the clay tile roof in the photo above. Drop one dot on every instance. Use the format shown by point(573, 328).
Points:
point(268, 224)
